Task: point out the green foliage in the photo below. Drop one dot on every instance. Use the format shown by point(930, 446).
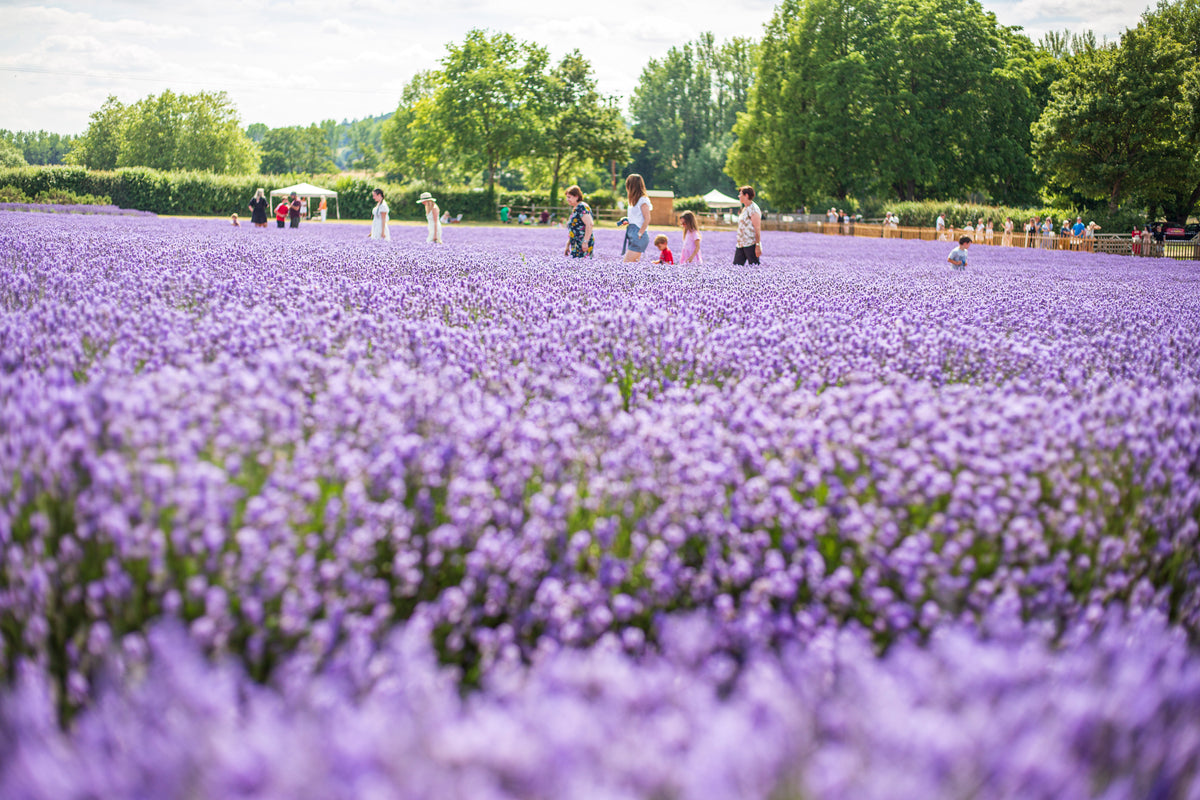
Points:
point(297, 149)
point(692, 203)
point(486, 102)
point(100, 146)
point(185, 193)
point(411, 150)
point(685, 107)
point(39, 147)
point(10, 155)
point(167, 132)
point(895, 98)
point(581, 127)
point(1124, 120)
point(63, 197)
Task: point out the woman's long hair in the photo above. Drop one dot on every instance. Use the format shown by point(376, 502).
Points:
point(258, 193)
point(635, 188)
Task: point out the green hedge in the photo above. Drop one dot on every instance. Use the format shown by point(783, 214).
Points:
point(206, 194)
point(62, 197)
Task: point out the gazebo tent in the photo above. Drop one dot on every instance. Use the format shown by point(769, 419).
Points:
point(308, 190)
point(716, 199)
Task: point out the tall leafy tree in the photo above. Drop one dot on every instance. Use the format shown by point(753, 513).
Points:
point(685, 106)
point(199, 131)
point(297, 149)
point(581, 126)
point(484, 109)
point(1175, 28)
point(365, 144)
point(100, 145)
point(411, 143)
point(900, 98)
point(10, 154)
point(256, 131)
point(39, 147)
point(1124, 120)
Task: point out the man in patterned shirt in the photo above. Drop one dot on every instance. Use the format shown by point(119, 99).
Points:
point(749, 230)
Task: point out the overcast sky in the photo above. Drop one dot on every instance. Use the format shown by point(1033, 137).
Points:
point(296, 62)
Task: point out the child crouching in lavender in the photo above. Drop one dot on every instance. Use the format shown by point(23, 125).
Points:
point(958, 256)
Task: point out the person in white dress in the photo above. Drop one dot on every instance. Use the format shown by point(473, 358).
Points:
point(432, 217)
point(379, 217)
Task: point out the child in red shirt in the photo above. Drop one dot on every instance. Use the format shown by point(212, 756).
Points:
point(665, 256)
point(281, 212)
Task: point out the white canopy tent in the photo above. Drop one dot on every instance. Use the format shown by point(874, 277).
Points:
point(717, 199)
point(309, 191)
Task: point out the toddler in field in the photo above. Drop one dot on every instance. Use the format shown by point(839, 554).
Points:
point(958, 256)
point(665, 256)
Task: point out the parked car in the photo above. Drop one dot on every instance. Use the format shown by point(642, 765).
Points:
point(1163, 230)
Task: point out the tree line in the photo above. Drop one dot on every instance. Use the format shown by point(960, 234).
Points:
point(840, 103)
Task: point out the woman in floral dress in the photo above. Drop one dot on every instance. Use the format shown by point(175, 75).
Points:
point(580, 240)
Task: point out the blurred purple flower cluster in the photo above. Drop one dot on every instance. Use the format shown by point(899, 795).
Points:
point(845, 525)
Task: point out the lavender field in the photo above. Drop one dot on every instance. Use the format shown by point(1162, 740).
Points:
point(296, 514)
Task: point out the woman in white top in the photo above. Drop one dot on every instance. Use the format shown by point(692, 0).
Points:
point(432, 217)
point(636, 237)
point(379, 217)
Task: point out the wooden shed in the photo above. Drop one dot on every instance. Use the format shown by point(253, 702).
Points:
point(663, 212)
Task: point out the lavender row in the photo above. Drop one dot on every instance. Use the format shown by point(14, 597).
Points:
point(1111, 711)
point(288, 442)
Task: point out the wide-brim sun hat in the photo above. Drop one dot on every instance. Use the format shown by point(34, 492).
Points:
point(426, 196)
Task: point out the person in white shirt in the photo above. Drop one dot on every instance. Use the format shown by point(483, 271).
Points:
point(636, 237)
point(379, 217)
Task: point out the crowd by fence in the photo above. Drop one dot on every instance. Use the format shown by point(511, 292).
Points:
point(1118, 244)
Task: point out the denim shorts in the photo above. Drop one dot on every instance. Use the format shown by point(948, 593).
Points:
point(637, 244)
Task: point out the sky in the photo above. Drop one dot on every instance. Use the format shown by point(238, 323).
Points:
point(301, 61)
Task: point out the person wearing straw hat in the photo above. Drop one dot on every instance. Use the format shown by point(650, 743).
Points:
point(432, 213)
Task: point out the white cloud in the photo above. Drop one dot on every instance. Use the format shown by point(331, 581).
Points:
point(335, 27)
point(287, 62)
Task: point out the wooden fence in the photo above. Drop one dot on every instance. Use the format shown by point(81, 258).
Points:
point(1100, 243)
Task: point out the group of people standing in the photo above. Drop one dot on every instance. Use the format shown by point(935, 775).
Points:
point(288, 211)
point(581, 240)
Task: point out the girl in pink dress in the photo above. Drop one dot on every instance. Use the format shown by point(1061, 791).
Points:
point(690, 253)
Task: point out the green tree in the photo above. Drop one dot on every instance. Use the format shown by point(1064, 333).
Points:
point(40, 147)
point(484, 110)
point(1124, 121)
point(100, 146)
point(296, 149)
point(256, 131)
point(366, 144)
point(685, 106)
point(396, 134)
point(1175, 27)
point(181, 131)
point(10, 154)
point(897, 98)
point(581, 126)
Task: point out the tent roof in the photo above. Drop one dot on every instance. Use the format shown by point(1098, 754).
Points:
point(304, 190)
point(717, 199)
